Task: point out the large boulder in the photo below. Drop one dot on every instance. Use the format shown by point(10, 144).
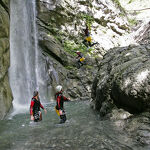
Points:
point(5, 91)
point(123, 80)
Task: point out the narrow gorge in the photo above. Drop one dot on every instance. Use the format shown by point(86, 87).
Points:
point(110, 100)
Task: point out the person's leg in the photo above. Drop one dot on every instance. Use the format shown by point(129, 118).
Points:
point(81, 63)
point(85, 42)
point(57, 111)
point(89, 43)
point(36, 116)
point(94, 44)
point(63, 117)
point(78, 64)
point(40, 114)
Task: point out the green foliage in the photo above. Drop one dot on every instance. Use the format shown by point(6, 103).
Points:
point(87, 18)
point(117, 2)
point(86, 3)
point(89, 67)
point(82, 2)
point(130, 1)
point(70, 67)
point(132, 22)
point(122, 14)
point(71, 47)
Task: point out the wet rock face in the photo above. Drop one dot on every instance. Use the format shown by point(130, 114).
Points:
point(143, 36)
point(61, 24)
point(138, 127)
point(66, 19)
point(5, 91)
point(50, 46)
point(123, 79)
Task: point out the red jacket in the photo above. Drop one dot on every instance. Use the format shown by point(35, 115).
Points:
point(35, 106)
point(80, 55)
point(60, 100)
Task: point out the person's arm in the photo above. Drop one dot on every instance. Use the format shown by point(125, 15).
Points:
point(77, 57)
point(58, 101)
point(66, 99)
point(43, 108)
point(31, 109)
point(81, 55)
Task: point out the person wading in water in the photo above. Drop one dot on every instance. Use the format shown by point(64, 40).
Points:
point(35, 113)
point(60, 104)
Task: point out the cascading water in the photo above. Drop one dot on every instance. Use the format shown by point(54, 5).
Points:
point(27, 67)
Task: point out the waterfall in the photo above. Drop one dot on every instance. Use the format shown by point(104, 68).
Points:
point(27, 67)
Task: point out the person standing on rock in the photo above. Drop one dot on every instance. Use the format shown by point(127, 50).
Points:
point(60, 104)
point(87, 41)
point(35, 113)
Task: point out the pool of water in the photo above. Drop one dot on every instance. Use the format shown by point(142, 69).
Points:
point(83, 130)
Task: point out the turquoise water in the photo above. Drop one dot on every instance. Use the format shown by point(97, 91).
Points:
point(83, 131)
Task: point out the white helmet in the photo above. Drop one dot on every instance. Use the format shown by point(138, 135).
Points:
point(58, 88)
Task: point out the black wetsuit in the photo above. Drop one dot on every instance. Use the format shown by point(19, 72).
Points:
point(35, 108)
point(60, 105)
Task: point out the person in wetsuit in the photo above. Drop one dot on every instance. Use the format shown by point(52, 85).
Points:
point(80, 59)
point(35, 106)
point(60, 104)
point(87, 41)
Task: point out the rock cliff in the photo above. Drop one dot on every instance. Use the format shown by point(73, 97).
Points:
point(60, 26)
point(5, 91)
point(123, 76)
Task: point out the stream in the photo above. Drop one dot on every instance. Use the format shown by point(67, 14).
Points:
point(83, 130)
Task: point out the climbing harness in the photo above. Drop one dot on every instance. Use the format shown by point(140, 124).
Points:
point(57, 111)
point(89, 39)
point(82, 59)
